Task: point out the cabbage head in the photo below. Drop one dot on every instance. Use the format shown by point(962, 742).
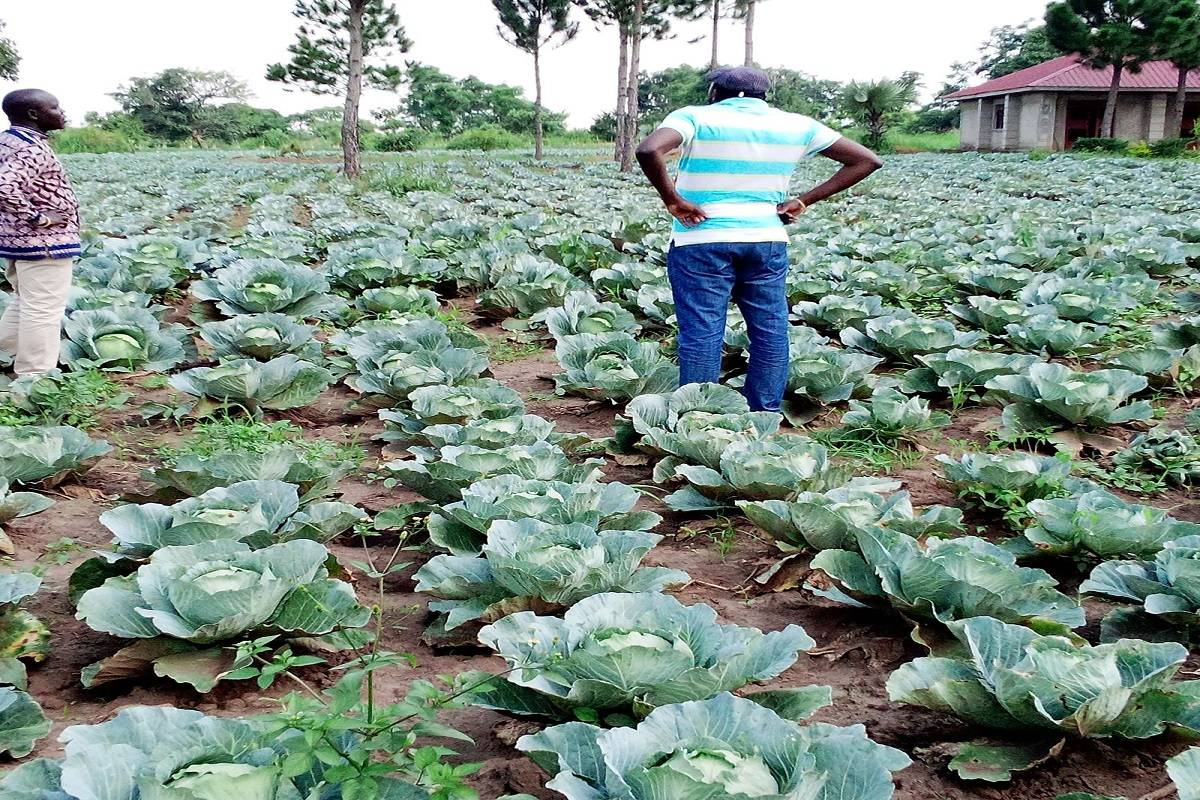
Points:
point(993, 315)
point(372, 263)
point(726, 747)
point(955, 370)
point(695, 423)
point(398, 300)
point(628, 654)
point(581, 312)
point(943, 580)
point(774, 469)
point(1009, 678)
point(202, 597)
point(1167, 589)
point(440, 474)
point(482, 400)
point(461, 527)
point(902, 338)
point(261, 336)
point(613, 367)
point(279, 384)
point(535, 286)
point(388, 378)
point(46, 454)
point(532, 565)
point(889, 415)
point(123, 339)
point(1100, 524)
point(192, 475)
point(832, 519)
point(835, 312)
point(1054, 396)
point(1174, 454)
point(258, 285)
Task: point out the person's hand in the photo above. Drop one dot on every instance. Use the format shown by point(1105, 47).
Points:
point(689, 214)
point(790, 211)
point(51, 219)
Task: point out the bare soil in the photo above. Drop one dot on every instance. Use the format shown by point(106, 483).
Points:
point(855, 652)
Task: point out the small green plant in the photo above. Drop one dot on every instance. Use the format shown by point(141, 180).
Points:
point(865, 454)
point(503, 351)
point(72, 398)
point(224, 434)
point(722, 532)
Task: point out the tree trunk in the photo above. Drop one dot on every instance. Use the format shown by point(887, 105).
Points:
point(750, 33)
point(622, 90)
point(538, 134)
point(1178, 103)
point(351, 157)
point(1107, 130)
point(634, 84)
point(715, 61)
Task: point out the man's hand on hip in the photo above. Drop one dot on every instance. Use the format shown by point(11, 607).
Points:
point(689, 214)
point(50, 219)
point(790, 211)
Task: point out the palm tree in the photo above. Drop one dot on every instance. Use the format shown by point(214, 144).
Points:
point(875, 105)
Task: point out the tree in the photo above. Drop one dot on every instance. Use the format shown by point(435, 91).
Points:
point(716, 11)
point(233, 122)
point(940, 115)
point(661, 93)
point(635, 20)
point(746, 11)
point(530, 25)
point(445, 105)
point(341, 46)
point(1178, 37)
point(1106, 33)
point(172, 104)
point(876, 105)
point(10, 60)
point(1015, 47)
point(803, 94)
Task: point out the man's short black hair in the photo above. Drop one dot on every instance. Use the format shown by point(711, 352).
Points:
point(18, 104)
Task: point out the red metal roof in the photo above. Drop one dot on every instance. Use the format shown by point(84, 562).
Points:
point(1066, 72)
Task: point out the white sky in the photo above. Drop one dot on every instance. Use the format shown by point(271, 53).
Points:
point(83, 49)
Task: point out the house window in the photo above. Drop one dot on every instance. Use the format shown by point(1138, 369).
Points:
point(999, 121)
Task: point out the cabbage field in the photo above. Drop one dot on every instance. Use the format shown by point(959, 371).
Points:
point(387, 489)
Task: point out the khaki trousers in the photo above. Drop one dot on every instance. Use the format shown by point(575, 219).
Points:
point(31, 327)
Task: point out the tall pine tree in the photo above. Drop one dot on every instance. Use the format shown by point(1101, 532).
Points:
point(1107, 33)
point(530, 25)
point(1179, 42)
point(341, 46)
point(746, 11)
point(10, 61)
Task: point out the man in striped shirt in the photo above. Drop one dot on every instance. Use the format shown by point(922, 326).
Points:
point(731, 204)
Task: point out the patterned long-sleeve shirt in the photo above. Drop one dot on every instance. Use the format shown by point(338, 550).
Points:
point(33, 182)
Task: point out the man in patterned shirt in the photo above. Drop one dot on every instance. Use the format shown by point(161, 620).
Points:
point(730, 205)
point(39, 231)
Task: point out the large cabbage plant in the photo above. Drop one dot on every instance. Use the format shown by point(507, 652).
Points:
point(627, 654)
point(613, 367)
point(165, 753)
point(1167, 588)
point(461, 527)
point(832, 519)
point(440, 405)
point(46, 455)
point(943, 580)
point(902, 338)
point(1173, 454)
point(123, 339)
point(837, 312)
point(23, 637)
point(1100, 524)
point(1054, 396)
point(279, 384)
point(440, 474)
point(532, 565)
point(582, 312)
point(958, 370)
point(1011, 679)
point(380, 262)
point(389, 374)
point(773, 469)
point(189, 603)
point(726, 747)
point(259, 512)
point(192, 475)
point(694, 424)
point(261, 336)
point(1051, 335)
point(258, 285)
point(889, 415)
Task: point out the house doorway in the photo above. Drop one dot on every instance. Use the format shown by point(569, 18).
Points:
point(1085, 119)
point(1191, 115)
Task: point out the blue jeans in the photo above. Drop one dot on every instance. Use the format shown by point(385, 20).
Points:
point(703, 278)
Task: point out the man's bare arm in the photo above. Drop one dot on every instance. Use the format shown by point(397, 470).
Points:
point(857, 163)
point(651, 156)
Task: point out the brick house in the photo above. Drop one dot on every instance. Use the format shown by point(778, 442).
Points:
point(1052, 105)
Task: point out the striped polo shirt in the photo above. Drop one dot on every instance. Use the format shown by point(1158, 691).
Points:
point(738, 159)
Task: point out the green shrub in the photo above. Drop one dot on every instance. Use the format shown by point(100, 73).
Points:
point(92, 140)
point(1095, 144)
point(1170, 148)
point(404, 141)
point(488, 137)
point(1140, 149)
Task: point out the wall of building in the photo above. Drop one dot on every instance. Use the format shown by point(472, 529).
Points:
point(969, 125)
point(1039, 118)
point(1133, 117)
